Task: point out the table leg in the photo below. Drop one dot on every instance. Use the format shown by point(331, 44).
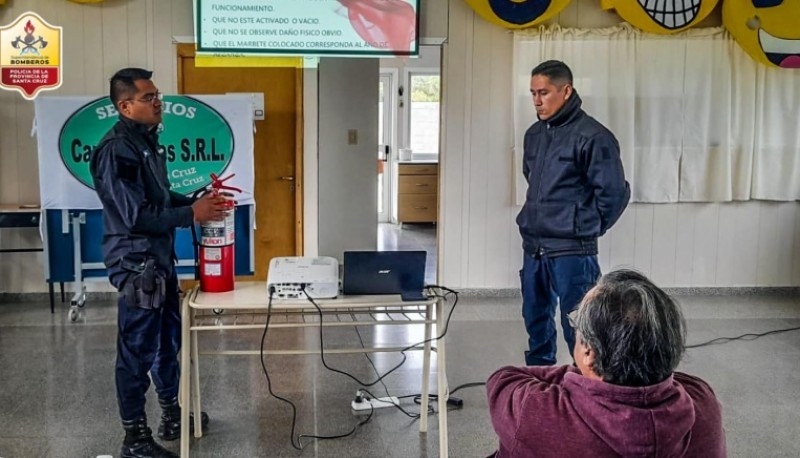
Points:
point(61, 285)
point(185, 383)
point(52, 297)
point(441, 371)
point(426, 371)
point(198, 429)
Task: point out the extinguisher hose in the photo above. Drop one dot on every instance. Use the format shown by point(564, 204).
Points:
point(217, 185)
point(195, 239)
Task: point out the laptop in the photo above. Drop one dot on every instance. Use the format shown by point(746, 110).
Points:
point(385, 272)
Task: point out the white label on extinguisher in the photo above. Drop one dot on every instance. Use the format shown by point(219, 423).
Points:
point(212, 270)
point(230, 227)
point(212, 254)
point(218, 233)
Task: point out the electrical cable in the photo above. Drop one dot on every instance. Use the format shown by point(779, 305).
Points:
point(266, 374)
point(299, 445)
point(459, 387)
point(747, 337)
point(397, 406)
point(372, 363)
point(433, 398)
point(468, 385)
point(385, 388)
point(402, 352)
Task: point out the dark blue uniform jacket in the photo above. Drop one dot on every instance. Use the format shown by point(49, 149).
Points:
point(576, 185)
point(140, 213)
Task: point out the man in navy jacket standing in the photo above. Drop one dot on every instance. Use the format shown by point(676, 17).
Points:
point(140, 215)
point(576, 192)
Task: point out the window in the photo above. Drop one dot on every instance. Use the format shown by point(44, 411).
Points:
point(423, 132)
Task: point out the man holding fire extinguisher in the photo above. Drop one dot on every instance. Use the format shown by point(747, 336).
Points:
point(140, 215)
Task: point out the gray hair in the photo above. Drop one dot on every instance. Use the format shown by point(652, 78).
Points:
point(636, 330)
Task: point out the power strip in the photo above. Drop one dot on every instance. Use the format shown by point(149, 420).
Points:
point(369, 404)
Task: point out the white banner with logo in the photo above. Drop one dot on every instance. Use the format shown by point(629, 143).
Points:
point(199, 135)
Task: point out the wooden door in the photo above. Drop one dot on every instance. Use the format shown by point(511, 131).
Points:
point(277, 154)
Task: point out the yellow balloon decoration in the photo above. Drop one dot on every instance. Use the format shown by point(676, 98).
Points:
point(517, 14)
point(768, 30)
point(661, 16)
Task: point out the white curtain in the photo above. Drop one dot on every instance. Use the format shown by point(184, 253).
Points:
point(696, 118)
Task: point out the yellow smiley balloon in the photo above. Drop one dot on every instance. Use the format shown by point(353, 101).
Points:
point(768, 30)
point(661, 16)
point(517, 14)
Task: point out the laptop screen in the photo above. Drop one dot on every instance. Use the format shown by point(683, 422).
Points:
point(383, 272)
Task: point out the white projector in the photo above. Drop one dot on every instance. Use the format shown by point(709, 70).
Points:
point(290, 276)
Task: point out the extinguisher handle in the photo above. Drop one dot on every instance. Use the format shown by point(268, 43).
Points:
point(218, 184)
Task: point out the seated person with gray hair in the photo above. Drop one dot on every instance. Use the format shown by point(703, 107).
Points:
point(623, 398)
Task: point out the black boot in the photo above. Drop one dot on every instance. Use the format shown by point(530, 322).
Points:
point(170, 427)
point(139, 442)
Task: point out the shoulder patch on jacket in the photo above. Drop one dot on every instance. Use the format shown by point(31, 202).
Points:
point(126, 169)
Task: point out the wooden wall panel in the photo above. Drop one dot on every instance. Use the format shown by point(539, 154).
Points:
point(643, 238)
point(499, 163)
point(705, 242)
point(796, 246)
point(481, 148)
point(455, 83)
point(689, 244)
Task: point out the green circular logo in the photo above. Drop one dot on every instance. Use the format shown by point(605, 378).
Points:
point(195, 139)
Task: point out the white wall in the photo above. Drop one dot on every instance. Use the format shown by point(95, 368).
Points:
point(720, 244)
point(433, 21)
point(348, 185)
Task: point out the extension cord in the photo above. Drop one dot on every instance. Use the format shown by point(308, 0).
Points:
point(370, 404)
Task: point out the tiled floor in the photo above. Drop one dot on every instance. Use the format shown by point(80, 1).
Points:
point(57, 387)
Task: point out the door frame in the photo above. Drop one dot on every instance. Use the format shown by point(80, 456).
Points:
point(187, 50)
point(390, 119)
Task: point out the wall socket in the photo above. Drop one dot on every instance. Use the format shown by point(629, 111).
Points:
point(352, 137)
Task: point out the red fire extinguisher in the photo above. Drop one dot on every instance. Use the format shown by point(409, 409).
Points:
point(216, 245)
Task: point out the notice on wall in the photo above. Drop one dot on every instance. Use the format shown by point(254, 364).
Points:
point(308, 27)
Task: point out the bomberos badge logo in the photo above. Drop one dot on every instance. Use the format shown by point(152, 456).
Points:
point(30, 55)
point(195, 139)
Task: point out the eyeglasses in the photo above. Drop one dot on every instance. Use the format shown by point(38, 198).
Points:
point(150, 98)
point(572, 317)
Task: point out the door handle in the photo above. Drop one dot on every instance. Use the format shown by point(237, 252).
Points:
point(287, 178)
point(384, 154)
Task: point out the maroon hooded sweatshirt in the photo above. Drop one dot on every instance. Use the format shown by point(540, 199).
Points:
point(549, 411)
